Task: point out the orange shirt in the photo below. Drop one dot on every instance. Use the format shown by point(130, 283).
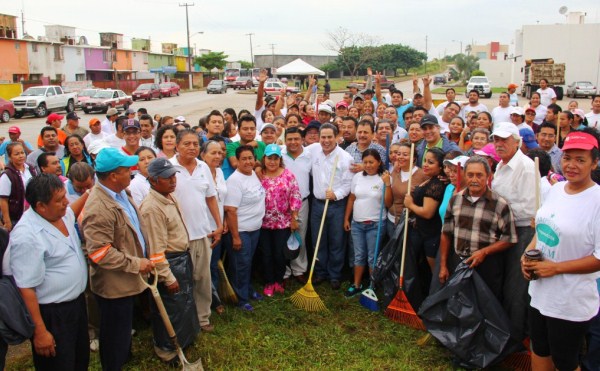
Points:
point(62, 136)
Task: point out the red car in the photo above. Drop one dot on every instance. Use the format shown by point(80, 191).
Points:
point(242, 83)
point(147, 92)
point(7, 110)
point(169, 89)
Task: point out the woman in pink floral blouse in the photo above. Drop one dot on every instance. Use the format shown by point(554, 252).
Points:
point(283, 202)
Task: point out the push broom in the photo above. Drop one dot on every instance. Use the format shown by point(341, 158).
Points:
point(400, 309)
point(306, 297)
point(368, 298)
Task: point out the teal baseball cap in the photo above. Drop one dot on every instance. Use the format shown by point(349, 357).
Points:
point(109, 159)
point(272, 149)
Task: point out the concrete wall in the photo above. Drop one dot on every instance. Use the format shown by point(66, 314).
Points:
point(42, 59)
point(576, 45)
point(74, 63)
point(266, 61)
point(139, 61)
point(497, 71)
point(94, 59)
point(14, 59)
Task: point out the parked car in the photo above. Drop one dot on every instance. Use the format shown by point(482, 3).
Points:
point(439, 79)
point(40, 100)
point(581, 88)
point(242, 83)
point(481, 84)
point(385, 83)
point(84, 95)
point(216, 86)
point(147, 92)
point(105, 99)
point(7, 110)
point(168, 89)
point(276, 86)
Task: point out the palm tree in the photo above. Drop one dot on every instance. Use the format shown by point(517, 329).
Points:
point(465, 64)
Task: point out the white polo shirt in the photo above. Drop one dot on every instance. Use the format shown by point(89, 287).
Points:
point(191, 192)
point(300, 167)
point(323, 164)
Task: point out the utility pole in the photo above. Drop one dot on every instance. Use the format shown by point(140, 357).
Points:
point(272, 57)
point(187, 24)
point(426, 54)
point(23, 23)
point(251, 55)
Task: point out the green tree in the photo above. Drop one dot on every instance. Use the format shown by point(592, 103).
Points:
point(398, 56)
point(245, 64)
point(465, 65)
point(212, 60)
point(477, 73)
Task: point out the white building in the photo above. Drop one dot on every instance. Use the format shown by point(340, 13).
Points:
point(574, 43)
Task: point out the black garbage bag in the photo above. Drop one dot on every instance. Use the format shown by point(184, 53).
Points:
point(467, 319)
point(417, 275)
point(180, 306)
point(387, 267)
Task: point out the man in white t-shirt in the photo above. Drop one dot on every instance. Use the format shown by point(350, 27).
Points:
point(450, 97)
point(547, 95)
point(95, 133)
point(473, 104)
point(503, 111)
point(117, 140)
point(593, 117)
point(108, 124)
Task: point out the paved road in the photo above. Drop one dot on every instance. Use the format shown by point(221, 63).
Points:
point(193, 105)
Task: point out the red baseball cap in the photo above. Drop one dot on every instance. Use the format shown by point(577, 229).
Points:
point(341, 104)
point(579, 140)
point(14, 130)
point(53, 116)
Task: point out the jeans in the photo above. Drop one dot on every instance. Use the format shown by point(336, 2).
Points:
point(364, 237)
point(240, 266)
point(272, 243)
point(332, 245)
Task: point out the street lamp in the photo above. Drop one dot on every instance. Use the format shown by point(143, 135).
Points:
point(457, 41)
point(194, 34)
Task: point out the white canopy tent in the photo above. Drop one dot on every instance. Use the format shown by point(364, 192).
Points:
point(299, 67)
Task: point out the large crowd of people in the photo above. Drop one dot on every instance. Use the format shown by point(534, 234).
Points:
point(90, 210)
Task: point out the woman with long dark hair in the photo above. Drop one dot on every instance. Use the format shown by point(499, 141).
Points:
point(75, 151)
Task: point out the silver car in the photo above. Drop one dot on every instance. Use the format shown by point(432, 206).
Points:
point(216, 86)
point(581, 89)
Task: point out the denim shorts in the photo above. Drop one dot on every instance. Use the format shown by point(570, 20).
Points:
point(364, 236)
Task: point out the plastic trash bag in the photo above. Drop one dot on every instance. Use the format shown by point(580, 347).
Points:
point(387, 267)
point(180, 306)
point(467, 319)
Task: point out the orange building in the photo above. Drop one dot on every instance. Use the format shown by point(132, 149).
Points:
point(15, 64)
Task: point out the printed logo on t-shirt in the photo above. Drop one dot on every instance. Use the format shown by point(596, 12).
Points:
point(548, 237)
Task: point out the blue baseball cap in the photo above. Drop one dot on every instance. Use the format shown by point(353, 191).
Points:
point(272, 149)
point(528, 138)
point(109, 159)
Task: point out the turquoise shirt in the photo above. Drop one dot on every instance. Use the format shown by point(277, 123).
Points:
point(446, 200)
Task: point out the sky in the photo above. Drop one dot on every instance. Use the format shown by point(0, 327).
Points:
point(299, 29)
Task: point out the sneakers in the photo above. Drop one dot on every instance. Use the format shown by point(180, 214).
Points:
point(269, 289)
point(279, 288)
point(246, 307)
point(353, 291)
point(256, 296)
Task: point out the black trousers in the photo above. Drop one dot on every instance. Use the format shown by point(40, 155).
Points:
point(272, 243)
point(116, 322)
point(67, 322)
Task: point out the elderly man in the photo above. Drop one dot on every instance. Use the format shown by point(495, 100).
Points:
point(365, 134)
point(169, 239)
point(515, 180)
point(51, 272)
point(116, 245)
point(479, 225)
point(331, 251)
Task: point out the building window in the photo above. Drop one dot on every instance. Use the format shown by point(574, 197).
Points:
point(105, 56)
point(34, 47)
point(58, 53)
point(79, 77)
point(78, 51)
point(145, 58)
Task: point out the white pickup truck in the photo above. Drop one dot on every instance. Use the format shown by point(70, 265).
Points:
point(41, 100)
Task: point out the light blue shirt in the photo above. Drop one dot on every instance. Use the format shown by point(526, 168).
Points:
point(446, 200)
point(122, 200)
point(43, 258)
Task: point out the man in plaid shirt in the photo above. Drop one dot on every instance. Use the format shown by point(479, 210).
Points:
point(480, 226)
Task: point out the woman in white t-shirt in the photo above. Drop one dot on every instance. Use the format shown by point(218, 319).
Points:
point(363, 204)
point(244, 209)
point(564, 298)
point(139, 186)
point(213, 154)
point(12, 197)
point(540, 109)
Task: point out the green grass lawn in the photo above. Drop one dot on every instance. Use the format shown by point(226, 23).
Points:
point(280, 336)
